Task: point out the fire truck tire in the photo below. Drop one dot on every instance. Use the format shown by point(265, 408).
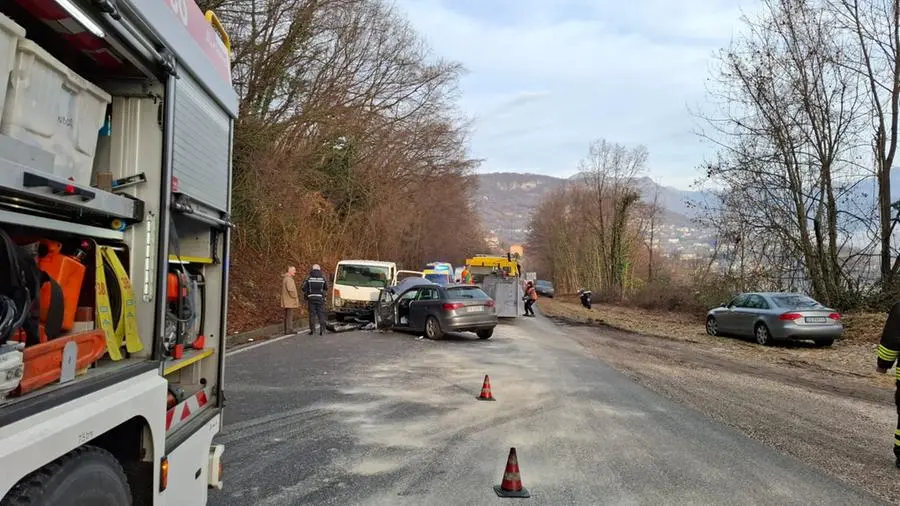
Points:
point(85, 476)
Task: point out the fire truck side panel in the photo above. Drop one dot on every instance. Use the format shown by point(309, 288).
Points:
point(189, 467)
point(39, 439)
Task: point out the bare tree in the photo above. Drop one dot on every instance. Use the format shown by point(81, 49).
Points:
point(875, 26)
point(791, 112)
point(649, 221)
point(609, 172)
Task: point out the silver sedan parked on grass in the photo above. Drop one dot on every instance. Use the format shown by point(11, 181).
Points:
point(776, 316)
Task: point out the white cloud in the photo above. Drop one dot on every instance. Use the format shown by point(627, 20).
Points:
point(619, 70)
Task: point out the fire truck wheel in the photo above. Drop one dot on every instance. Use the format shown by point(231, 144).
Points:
point(86, 475)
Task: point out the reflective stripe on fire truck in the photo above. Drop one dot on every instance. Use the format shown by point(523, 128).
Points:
point(183, 411)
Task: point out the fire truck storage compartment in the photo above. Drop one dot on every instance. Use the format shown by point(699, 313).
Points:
point(50, 106)
point(193, 317)
point(59, 87)
point(195, 286)
point(107, 118)
point(70, 261)
point(10, 34)
point(200, 159)
point(99, 246)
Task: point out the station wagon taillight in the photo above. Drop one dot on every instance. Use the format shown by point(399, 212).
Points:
point(790, 316)
point(452, 306)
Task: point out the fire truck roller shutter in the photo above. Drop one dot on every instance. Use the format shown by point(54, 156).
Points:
point(201, 150)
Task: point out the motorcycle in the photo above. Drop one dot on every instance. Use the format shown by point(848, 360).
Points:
point(585, 296)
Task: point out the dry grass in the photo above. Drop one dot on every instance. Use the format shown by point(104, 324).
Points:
point(852, 356)
point(670, 325)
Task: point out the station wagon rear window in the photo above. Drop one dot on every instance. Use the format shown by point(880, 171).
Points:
point(467, 292)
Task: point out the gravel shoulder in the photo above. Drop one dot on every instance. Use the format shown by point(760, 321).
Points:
point(849, 359)
point(823, 405)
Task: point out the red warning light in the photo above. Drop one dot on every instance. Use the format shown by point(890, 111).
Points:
point(70, 188)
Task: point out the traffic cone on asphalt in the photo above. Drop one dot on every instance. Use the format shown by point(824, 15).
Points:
point(486, 390)
point(511, 486)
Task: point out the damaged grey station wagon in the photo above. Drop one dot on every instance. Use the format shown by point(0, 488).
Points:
point(420, 306)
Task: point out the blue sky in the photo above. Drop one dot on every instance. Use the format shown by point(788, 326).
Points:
point(545, 77)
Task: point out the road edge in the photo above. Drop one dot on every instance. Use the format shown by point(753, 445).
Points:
point(251, 338)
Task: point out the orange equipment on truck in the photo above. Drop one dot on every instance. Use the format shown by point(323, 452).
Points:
point(68, 272)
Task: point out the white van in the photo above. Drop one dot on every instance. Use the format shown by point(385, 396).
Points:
point(356, 284)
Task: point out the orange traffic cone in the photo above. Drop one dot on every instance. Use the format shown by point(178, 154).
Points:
point(511, 486)
point(486, 390)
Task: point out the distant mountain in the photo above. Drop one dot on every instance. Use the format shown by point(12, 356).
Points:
point(506, 201)
point(673, 200)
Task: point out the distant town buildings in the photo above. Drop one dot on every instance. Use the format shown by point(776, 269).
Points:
point(684, 242)
point(492, 241)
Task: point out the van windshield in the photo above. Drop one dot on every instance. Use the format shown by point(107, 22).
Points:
point(370, 276)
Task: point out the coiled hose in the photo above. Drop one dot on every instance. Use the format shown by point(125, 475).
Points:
point(11, 317)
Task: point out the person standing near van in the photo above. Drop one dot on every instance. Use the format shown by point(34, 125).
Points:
point(289, 298)
point(314, 288)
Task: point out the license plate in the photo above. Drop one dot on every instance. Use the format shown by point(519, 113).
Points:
point(816, 319)
point(474, 309)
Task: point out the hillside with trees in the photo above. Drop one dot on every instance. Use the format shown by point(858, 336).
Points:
point(507, 200)
point(349, 144)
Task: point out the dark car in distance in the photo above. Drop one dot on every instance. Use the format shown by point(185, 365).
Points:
point(544, 288)
point(428, 308)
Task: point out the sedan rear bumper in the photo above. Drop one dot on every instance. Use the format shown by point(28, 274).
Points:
point(803, 332)
point(469, 322)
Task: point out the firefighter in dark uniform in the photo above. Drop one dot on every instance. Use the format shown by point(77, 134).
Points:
point(314, 288)
point(888, 349)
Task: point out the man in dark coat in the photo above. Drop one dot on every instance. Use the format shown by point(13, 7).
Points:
point(315, 286)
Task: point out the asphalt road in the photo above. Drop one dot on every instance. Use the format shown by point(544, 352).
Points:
point(383, 418)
